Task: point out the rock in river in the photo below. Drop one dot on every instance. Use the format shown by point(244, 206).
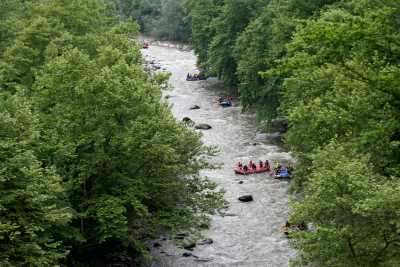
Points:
point(187, 254)
point(195, 107)
point(188, 121)
point(156, 245)
point(206, 241)
point(189, 245)
point(280, 125)
point(246, 198)
point(203, 126)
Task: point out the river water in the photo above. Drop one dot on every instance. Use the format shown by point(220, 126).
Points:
point(250, 235)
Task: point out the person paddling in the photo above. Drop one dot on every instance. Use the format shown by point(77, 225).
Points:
point(267, 165)
point(253, 166)
point(245, 168)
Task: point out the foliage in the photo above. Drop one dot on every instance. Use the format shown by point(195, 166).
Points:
point(353, 210)
point(163, 19)
point(341, 101)
point(92, 160)
point(200, 15)
point(33, 207)
point(330, 68)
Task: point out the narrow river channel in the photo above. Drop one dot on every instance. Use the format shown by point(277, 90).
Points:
point(250, 235)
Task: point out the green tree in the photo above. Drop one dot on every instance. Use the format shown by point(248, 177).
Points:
point(353, 211)
point(128, 169)
point(234, 17)
point(33, 205)
point(262, 45)
point(171, 24)
point(341, 99)
point(200, 16)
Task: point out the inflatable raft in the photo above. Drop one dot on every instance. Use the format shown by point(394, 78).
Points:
point(226, 103)
point(283, 174)
point(250, 171)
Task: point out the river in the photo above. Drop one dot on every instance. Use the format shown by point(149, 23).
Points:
point(250, 236)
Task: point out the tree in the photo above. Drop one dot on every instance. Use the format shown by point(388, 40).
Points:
point(34, 210)
point(353, 211)
point(128, 169)
point(200, 15)
point(171, 24)
point(234, 17)
point(342, 106)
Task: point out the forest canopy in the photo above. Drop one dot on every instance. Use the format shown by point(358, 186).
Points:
point(330, 69)
point(162, 19)
point(92, 162)
point(92, 159)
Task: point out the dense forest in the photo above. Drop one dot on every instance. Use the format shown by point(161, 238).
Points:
point(330, 68)
point(162, 19)
point(91, 160)
point(93, 164)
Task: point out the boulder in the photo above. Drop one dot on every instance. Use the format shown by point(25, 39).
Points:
point(156, 245)
point(246, 198)
point(189, 245)
point(228, 215)
point(240, 182)
point(203, 126)
point(206, 241)
point(203, 259)
point(187, 254)
point(204, 226)
point(194, 107)
point(280, 125)
point(188, 121)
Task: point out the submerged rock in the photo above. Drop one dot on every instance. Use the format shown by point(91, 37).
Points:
point(188, 121)
point(195, 107)
point(203, 126)
point(187, 254)
point(246, 198)
point(206, 241)
point(228, 214)
point(189, 245)
point(204, 226)
point(156, 245)
point(203, 259)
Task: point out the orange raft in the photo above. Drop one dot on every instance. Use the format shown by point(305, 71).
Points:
point(258, 169)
